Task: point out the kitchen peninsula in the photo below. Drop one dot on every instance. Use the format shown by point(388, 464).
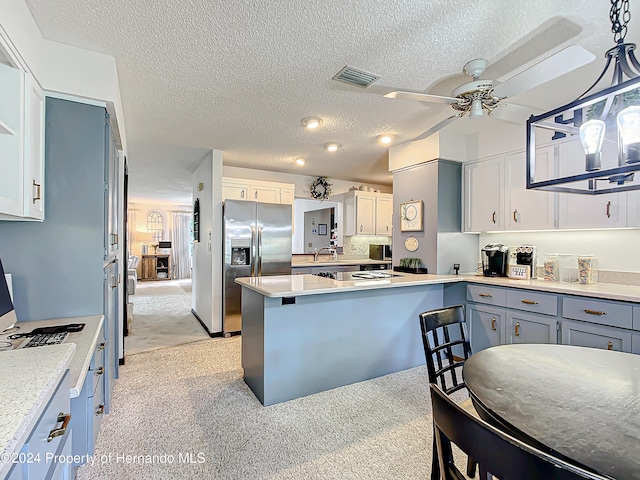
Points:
point(304, 334)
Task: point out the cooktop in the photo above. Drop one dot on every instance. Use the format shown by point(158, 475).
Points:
point(353, 276)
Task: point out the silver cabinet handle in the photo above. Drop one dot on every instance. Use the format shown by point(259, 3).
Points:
point(37, 196)
point(56, 432)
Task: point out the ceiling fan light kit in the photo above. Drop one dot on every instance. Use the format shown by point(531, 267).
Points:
point(605, 123)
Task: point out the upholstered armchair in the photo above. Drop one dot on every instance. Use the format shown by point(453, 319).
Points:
point(132, 274)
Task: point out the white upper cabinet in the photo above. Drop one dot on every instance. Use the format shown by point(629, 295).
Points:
point(587, 211)
point(11, 154)
point(367, 213)
point(257, 190)
point(528, 209)
point(34, 150)
point(484, 196)
point(384, 215)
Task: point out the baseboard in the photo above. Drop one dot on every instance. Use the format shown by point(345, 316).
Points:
point(206, 329)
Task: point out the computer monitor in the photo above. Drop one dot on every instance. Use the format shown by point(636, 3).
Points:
point(7, 312)
point(164, 244)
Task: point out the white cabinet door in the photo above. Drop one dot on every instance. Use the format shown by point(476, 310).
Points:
point(365, 215)
point(384, 214)
point(11, 151)
point(234, 191)
point(484, 196)
point(287, 196)
point(528, 209)
point(33, 150)
point(264, 194)
point(633, 208)
point(587, 211)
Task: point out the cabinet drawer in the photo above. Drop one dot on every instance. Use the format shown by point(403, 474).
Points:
point(60, 403)
point(532, 302)
point(598, 311)
point(488, 295)
point(596, 336)
point(636, 318)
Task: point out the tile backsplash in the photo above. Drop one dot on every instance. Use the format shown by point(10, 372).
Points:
point(359, 245)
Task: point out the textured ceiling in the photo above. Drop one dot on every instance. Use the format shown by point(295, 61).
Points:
point(239, 75)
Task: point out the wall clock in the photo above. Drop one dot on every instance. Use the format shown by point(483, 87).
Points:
point(411, 244)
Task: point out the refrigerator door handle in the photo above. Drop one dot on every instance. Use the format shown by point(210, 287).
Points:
point(259, 250)
point(253, 250)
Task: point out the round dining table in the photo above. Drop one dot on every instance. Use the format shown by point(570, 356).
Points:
point(583, 404)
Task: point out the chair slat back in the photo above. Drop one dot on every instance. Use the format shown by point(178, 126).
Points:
point(503, 456)
point(446, 346)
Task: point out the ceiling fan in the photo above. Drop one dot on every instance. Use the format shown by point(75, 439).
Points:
point(480, 95)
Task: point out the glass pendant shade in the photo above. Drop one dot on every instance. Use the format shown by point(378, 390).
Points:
point(629, 128)
point(592, 136)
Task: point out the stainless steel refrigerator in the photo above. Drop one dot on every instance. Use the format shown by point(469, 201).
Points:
point(257, 242)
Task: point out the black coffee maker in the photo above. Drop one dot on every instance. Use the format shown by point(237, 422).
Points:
point(494, 260)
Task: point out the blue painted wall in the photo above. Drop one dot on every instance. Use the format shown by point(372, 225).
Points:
point(57, 264)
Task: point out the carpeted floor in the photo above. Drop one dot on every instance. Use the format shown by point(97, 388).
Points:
point(162, 317)
point(189, 407)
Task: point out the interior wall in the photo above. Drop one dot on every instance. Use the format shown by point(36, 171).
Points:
point(202, 287)
point(312, 237)
point(616, 250)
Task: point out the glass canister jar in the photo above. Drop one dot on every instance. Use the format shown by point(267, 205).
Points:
point(587, 269)
point(568, 267)
point(551, 267)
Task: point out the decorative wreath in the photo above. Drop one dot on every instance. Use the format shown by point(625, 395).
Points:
point(320, 188)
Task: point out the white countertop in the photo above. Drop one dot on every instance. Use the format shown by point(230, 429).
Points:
point(28, 377)
point(85, 342)
point(297, 285)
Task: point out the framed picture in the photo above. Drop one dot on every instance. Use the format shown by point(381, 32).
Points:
point(411, 216)
point(322, 229)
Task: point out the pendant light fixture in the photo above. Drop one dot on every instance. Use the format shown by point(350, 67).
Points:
point(605, 123)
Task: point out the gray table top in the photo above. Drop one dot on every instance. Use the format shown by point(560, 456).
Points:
point(583, 403)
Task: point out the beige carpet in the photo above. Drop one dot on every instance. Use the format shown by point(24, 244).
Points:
point(189, 406)
point(162, 317)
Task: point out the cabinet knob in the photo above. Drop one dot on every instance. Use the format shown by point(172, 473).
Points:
point(610, 346)
point(100, 409)
point(65, 418)
point(100, 371)
point(101, 346)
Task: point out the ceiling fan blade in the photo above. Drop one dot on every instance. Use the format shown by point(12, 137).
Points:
point(514, 113)
point(561, 63)
point(422, 97)
point(436, 127)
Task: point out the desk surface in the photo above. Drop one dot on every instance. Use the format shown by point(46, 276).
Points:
point(584, 403)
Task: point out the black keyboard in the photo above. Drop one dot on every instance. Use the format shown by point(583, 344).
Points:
point(41, 339)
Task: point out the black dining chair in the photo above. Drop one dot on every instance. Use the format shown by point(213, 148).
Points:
point(446, 348)
point(496, 452)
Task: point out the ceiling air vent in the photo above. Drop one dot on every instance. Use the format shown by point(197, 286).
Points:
point(353, 76)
